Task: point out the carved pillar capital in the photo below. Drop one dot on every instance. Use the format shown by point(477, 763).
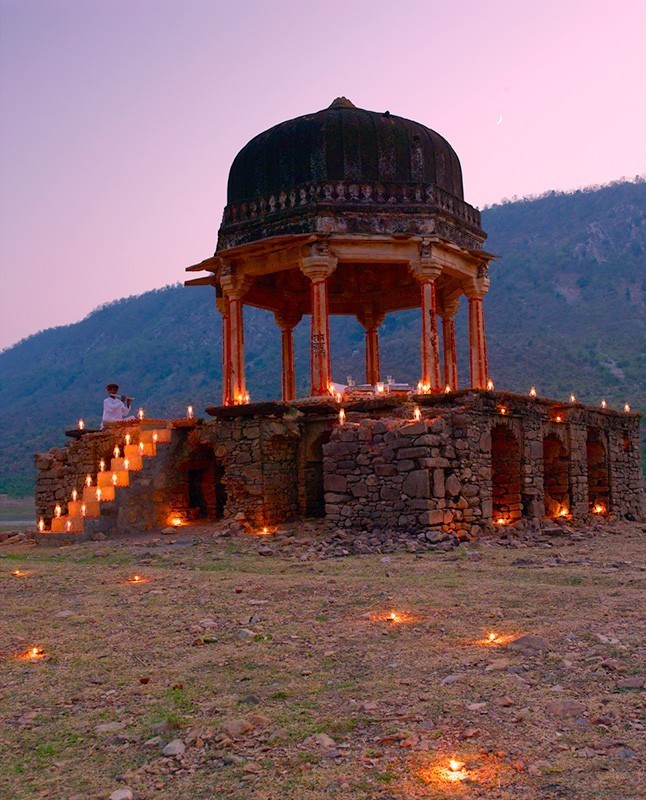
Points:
point(476, 286)
point(317, 261)
point(233, 281)
point(370, 317)
point(287, 319)
point(448, 306)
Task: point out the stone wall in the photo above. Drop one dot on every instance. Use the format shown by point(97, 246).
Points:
point(472, 460)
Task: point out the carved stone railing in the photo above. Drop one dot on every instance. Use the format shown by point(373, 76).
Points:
point(349, 193)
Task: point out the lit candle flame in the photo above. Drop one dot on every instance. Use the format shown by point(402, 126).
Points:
point(492, 637)
point(68, 525)
point(455, 765)
point(115, 452)
point(83, 510)
point(338, 397)
point(501, 521)
point(102, 465)
point(115, 479)
point(81, 424)
point(379, 387)
point(558, 418)
point(41, 524)
point(126, 464)
point(189, 412)
point(598, 508)
point(98, 494)
point(176, 521)
point(88, 480)
point(489, 385)
point(563, 512)
point(18, 573)
point(447, 389)
point(572, 399)
point(57, 510)
point(532, 392)
point(341, 416)
point(141, 448)
point(75, 495)
point(128, 437)
point(503, 410)
point(604, 404)
point(246, 397)
point(155, 437)
point(34, 652)
point(140, 413)
point(626, 408)
point(417, 414)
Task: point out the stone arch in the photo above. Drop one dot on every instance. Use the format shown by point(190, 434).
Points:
point(204, 492)
point(311, 471)
point(598, 472)
point(556, 481)
point(505, 475)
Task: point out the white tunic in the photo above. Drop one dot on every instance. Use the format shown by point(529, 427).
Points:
point(114, 410)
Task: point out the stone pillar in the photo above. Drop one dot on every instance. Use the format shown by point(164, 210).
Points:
point(318, 265)
point(234, 285)
point(448, 313)
point(475, 289)
point(430, 376)
point(287, 322)
point(371, 320)
point(222, 305)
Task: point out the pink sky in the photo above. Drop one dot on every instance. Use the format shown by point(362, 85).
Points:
point(120, 118)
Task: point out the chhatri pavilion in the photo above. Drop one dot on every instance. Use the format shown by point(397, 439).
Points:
point(348, 211)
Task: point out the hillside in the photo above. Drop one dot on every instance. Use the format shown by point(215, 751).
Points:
point(565, 313)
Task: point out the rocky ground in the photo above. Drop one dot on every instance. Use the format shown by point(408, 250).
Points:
point(313, 663)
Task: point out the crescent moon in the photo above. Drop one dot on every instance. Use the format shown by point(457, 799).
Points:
point(499, 120)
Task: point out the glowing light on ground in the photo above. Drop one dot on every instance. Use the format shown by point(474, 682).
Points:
point(627, 408)
point(137, 579)
point(81, 425)
point(417, 414)
point(393, 617)
point(33, 654)
point(20, 573)
point(598, 508)
point(341, 416)
point(532, 392)
point(490, 385)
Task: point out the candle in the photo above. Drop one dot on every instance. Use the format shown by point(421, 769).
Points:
point(338, 397)
point(140, 413)
point(41, 524)
point(626, 408)
point(489, 385)
point(379, 387)
point(246, 397)
point(447, 389)
point(114, 478)
point(75, 495)
point(83, 510)
point(141, 448)
point(604, 404)
point(532, 392)
point(572, 399)
point(341, 416)
point(98, 494)
point(88, 480)
point(115, 452)
point(102, 465)
point(417, 414)
point(126, 464)
point(128, 437)
point(155, 437)
point(189, 412)
point(81, 424)
point(68, 525)
point(503, 410)
point(57, 511)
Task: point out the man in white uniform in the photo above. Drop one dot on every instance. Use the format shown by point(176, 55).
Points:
point(115, 408)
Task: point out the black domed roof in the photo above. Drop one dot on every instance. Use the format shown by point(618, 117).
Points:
point(343, 142)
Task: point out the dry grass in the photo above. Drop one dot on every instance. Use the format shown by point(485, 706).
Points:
point(317, 663)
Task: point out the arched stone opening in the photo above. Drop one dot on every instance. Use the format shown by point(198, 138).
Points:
point(505, 476)
point(598, 474)
point(312, 474)
point(556, 482)
point(205, 494)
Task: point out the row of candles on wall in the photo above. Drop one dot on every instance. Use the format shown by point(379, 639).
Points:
point(141, 415)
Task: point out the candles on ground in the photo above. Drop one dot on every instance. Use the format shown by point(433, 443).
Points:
point(140, 413)
point(492, 637)
point(189, 412)
point(81, 424)
point(19, 573)
point(57, 511)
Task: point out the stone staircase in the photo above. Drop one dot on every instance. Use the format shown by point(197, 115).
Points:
point(96, 506)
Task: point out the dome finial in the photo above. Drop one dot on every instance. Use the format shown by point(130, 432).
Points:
point(342, 102)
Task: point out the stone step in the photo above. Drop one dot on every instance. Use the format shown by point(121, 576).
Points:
point(67, 525)
point(135, 463)
point(141, 449)
point(107, 493)
point(158, 435)
point(113, 478)
point(92, 508)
